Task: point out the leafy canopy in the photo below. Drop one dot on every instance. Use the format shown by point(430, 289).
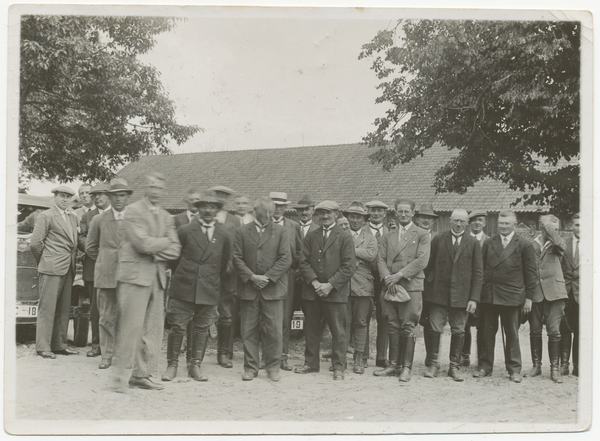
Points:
point(503, 94)
point(87, 104)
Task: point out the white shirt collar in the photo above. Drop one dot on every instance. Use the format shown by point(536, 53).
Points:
point(509, 237)
point(477, 236)
point(329, 228)
point(190, 215)
point(62, 212)
point(307, 224)
point(106, 209)
point(278, 221)
point(406, 227)
point(203, 224)
point(117, 213)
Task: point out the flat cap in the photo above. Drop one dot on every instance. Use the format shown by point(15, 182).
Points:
point(119, 184)
point(100, 188)
point(305, 202)
point(328, 205)
point(209, 197)
point(376, 204)
point(222, 189)
point(358, 208)
point(476, 213)
point(63, 189)
point(279, 197)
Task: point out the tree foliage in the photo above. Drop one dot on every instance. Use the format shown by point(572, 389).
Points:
point(87, 104)
point(503, 94)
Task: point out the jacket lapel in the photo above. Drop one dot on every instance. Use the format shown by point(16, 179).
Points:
point(62, 223)
point(200, 238)
point(408, 237)
point(461, 247)
point(506, 252)
point(331, 238)
point(266, 235)
point(448, 243)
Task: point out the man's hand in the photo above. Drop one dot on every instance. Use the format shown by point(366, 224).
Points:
point(527, 307)
point(324, 289)
point(259, 281)
point(391, 279)
point(471, 306)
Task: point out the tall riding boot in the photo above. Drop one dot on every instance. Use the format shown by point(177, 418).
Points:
point(456, 349)
point(173, 349)
point(479, 345)
point(198, 349)
point(576, 354)
point(465, 357)
point(565, 353)
point(222, 341)
point(394, 367)
point(190, 342)
point(358, 363)
point(432, 345)
point(536, 357)
point(408, 344)
point(554, 352)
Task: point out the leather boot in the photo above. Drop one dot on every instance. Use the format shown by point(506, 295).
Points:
point(358, 363)
point(465, 356)
point(408, 344)
point(393, 368)
point(554, 352)
point(575, 354)
point(456, 348)
point(190, 342)
point(199, 347)
point(173, 351)
point(222, 341)
point(284, 363)
point(432, 344)
point(536, 357)
point(565, 353)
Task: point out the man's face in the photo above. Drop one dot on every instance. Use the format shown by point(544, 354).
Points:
point(62, 200)
point(101, 200)
point(343, 223)
point(477, 224)
point(84, 195)
point(190, 200)
point(506, 225)
point(119, 200)
point(279, 210)
point(405, 213)
point(207, 211)
point(357, 221)
point(154, 190)
point(306, 213)
point(242, 206)
point(458, 223)
point(425, 222)
point(576, 228)
point(262, 216)
point(376, 215)
point(328, 217)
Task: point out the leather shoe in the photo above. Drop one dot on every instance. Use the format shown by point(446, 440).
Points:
point(94, 352)
point(535, 371)
point(382, 363)
point(465, 361)
point(285, 366)
point(338, 375)
point(67, 351)
point(330, 368)
point(405, 375)
point(455, 374)
point(431, 371)
point(274, 376)
point(305, 370)
point(261, 365)
point(46, 354)
point(144, 383)
point(249, 375)
point(516, 377)
point(224, 361)
point(327, 354)
point(105, 363)
point(480, 373)
point(358, 368)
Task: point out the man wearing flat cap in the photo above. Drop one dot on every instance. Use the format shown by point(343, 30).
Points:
point(54, 247)
point(327, 264)
point(102, 245)
point(377, 213)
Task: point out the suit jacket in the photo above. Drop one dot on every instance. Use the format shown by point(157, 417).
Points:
point(570, 268)
point(411, 256)
point(510, 275)
point(53, 244)
point(365, 248)
point(456, 277)
point(198, 276)
point(80, 212)
point(181, 219)
point(102, 245)
point(148, 242)
point(552, 283)
point(374, 265)
point(312, 227)
point(428, 282)
point(333, 261)
point(229, 279)
point(295, 240)
point(484, 237)
point(88, 263)
point(266, 255)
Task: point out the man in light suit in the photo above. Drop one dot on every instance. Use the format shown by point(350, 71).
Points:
point(54, 247)
point(262, 258)
point(403, 256)
point(102, 245)
point(86, 199)
point(510, 279)
point(327, 265)
point(570, 323)
point(455, 270)
point(549, 298)
point(149, 241)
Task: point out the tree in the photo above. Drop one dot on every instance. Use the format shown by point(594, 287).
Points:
point(503, 94)
point(87, 104)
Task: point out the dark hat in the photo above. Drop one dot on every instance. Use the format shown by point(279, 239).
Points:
point(476, 213)
point(377, 204)
point(328, 205)
point(356, 207)
point(279, 198)
point(119, 184)
point(427, 210)
point(304, 202)
point(209, 197)
point(63, 189)
point(100, 188)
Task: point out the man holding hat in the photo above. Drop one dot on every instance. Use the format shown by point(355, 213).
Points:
point(360, 300)
point(327, 264)
point(102, 245)
point(54, 247)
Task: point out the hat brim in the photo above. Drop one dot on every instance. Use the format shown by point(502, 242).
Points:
point(199, 203)
point(346, 213)
point(119, 190)
point(433, 215)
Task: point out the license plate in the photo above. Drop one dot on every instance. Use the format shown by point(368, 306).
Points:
point(27, 310)
point(297, 324)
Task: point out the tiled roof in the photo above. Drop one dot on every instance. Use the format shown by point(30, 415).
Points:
point(343, 173)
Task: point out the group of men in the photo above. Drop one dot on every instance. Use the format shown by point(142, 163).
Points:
point(261, 266)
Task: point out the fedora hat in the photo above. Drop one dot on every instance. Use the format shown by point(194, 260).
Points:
point(100, 188)
point(208, 198)
point(119, 184)
point(305, 202)
point(427, 210)
point(356, 207)
point(279, 198)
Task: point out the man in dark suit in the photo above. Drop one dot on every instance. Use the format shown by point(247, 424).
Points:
point(477, 222)
point(455, 270)
point(306, 209)
point(570, 323)
point(54, 247)
point(403, 256)
point(86, 199)
point(261, 257)
point(327, 265)
point(102, 245)
point(509, 283)
point(196, 287)
point(102, 203)
point(549, 298)
point(149, 242)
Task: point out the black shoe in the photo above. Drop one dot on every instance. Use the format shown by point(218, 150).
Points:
point(105, 363)
point(46, 354)
point(224, 361)
point(285, 366)
point(67, 351)
point(144, 383)
point(382, 363)
point(305, 370)
point(480, 373)
point(94, 352)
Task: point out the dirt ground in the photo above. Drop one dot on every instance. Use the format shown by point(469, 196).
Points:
point(73, 388)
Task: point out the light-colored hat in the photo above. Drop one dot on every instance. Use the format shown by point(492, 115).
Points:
point(328, 205)
point(119, 184)
point(476, 213)
point(100, 188)
point(305, 202)
point(208, 198)
point(279, 198)
point(358, 208)
point(63, 189)
point(226, 191)
point(376, 204)
point(427, 210)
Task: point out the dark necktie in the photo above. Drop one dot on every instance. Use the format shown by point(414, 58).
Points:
point(456, 243)
point(576, 257)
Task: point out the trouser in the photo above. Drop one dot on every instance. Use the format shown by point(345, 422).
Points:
point(94, 313)
point(107, 321)
point(382, 320)
point(235, 324)
point(288, 310)
point(180, 313)
point(225, 307)
point(550, 313)
point(53, 312)
point(439, 315)
point(511, 321)
point(404, 316)
point(360, 308)
point(572, 315)
point(335, 316)
point(140, 319)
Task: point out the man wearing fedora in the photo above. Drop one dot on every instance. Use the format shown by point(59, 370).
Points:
point(306, 209)
point(360, 301)
point(327, 264)
point(54, 247)
point(196, 287)
point(102, 245)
